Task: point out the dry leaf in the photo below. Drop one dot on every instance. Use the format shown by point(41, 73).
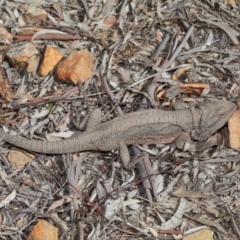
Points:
point(5, 89)
point(29, 182)
point(37, 16)
point(209, 222)
point(8, 199)
point(149, 228)
point(224, 26)
point(161, 94)
point(159, 36)
point(108, 22)
point(234, 130)
point(176, 219)
point(5, 36)
point(60, 202)
point(233, 88)
point(43, 230)
point(180, 71)
point(34, 4)
point(193, 87)
point(182, 192)
point(41, 32)
point(173, 91)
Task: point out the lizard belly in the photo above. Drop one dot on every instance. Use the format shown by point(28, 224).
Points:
point(107, 145)
point(154, 134)
point(159, 139)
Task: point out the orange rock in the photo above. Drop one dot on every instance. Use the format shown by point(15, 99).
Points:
point(25, 53)
point(234, 130)
point(230, 2)
point(19, 158)
point(51, 58)
point(203, 234)
point(77, 67)
point(43, 230)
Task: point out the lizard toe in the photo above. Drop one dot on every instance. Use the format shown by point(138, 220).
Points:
point(199, 136)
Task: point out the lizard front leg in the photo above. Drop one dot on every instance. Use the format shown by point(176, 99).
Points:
point(201, 135)
point(1, 141)
point(200, 146)
point(184, 142)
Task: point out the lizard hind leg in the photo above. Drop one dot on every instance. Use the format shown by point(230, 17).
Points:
point(181, 141)
point(91, 120)
point(125, 156)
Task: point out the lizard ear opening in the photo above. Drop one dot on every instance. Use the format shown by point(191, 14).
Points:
point(221, 110)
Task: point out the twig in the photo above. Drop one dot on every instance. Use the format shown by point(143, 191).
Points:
point(188, 34)
point(236, 227)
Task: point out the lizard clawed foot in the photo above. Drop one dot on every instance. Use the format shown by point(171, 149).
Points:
point(134, 161)
point(200, 136)
point(79, 122)
point(91, 120)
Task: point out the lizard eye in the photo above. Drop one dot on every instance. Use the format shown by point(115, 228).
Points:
point(221, 111)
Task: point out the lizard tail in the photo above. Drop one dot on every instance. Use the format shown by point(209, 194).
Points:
point(72, 145)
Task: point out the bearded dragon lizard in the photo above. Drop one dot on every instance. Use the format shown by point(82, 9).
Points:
point(152, 126)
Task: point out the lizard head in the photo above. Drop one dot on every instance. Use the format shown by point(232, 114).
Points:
point(213, 115)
